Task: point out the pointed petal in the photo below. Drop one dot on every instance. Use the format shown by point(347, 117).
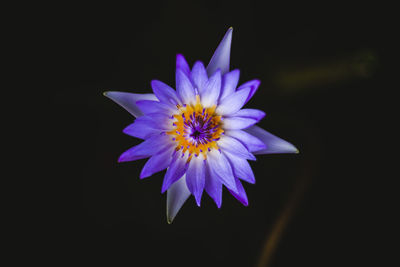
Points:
point(251, 142)
point(141, 129)
point(147, 148)
point(145, 126)
point(230, 81)
point(157, 162)
point(128, 100)
point(233, 103)
point(213, 188)
point(238, 123)
point(253, 85)
point(149, 107)
point(209, 96)
point(184, 88)
point(182, 64)
point(176, 170)
point(241, 194)
point(221, 169)
point(177, 194)
point(255, 114)
point(241, 168)
point(273, 143)
point(165, 93)
point(199, 76)
point(227, 143)
point(221, 57)
point(195, 177)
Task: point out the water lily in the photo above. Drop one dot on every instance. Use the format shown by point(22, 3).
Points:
point(199, 132)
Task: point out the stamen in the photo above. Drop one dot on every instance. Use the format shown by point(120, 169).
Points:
point(197, 129)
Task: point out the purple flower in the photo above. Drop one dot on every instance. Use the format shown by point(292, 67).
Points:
point(199, 132)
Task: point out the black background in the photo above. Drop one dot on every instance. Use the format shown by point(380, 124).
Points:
point(320, 69)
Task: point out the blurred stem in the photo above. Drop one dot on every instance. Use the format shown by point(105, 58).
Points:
point(300, 188)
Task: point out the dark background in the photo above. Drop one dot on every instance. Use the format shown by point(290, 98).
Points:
point(320, 69)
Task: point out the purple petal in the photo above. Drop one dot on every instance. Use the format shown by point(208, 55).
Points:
point(229, 83)
point(149, 106)
point(220, 59)
point(253, 85)
point(165, 93)
point(184, 88)
point(145, 126)
point(182, 64)
point(177, 194)
point(273, 143)
point(241, 194)
point(195, 177)
point(241, 168)
point(128, 100)
point(251, 142)
point(147, 148)
point(233, 102)
point(157, 162)
point(220, 168)
point(213, 187)
point(227, 143)
point(141, 129)
point(209, 96)
point(237, 123)
point(176, 170)
point(199, 76)
point(255, 114)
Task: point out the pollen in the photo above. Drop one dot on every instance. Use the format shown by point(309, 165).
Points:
point(196, 129)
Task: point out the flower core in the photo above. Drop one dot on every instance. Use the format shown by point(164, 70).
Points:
point(196, 128)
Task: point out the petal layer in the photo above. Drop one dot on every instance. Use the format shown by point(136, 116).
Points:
point(199, 76)
point(241, 194)
point(184, 88)
point(182, 64)
point(149, 107)
point(238, 123)
point(165, 93)
point(213, 188)
point(128, 100)
point(146, 126)
point(227, 143)
point(177, 194)
point(212, 89)
point(253, 85)
point(195, 177)
point(230, 81)
point(147, 148)
point(233, 103)
point(241, 168)
point(220, 59)
point(255, 114)
point(221, 169)
point(176, 170)
point(157, 162)
point(273, 143)
point(251, 142)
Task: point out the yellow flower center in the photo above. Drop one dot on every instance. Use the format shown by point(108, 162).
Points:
point(197, 129)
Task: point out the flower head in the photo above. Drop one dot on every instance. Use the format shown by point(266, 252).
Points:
point(199, 132)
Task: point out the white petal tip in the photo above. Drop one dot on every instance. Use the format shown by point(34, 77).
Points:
point(290, 148)
point(177, 195)
point(171, 216)
point(221, 56)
